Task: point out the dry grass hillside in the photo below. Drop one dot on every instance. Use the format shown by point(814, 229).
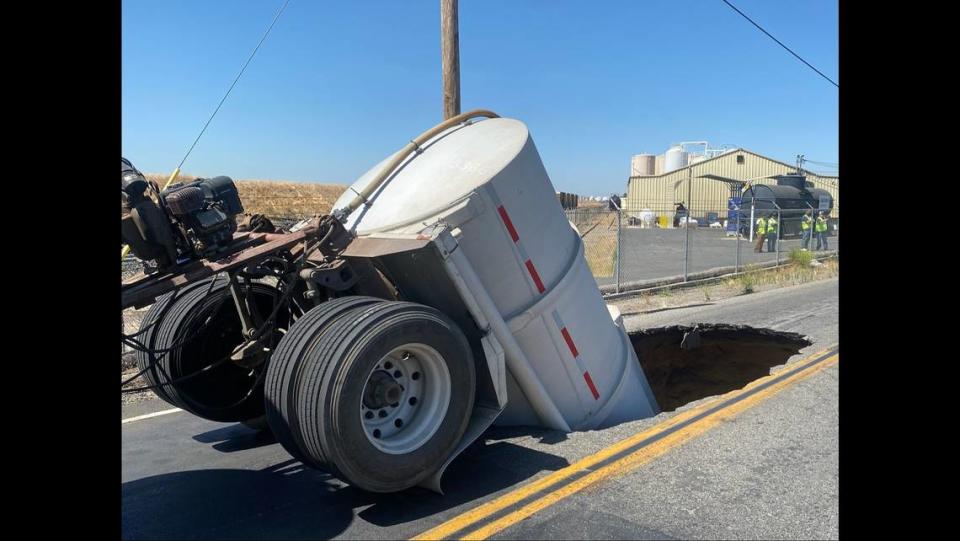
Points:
point(277, 198)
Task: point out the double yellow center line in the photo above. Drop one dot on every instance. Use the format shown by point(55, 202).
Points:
point(633, 452)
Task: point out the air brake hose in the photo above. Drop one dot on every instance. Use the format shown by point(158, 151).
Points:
point(411, 147)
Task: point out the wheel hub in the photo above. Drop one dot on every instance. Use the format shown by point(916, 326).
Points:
point(405, 398)
point(382, 390)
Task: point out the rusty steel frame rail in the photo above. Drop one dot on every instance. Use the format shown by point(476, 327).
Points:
point(248, 248)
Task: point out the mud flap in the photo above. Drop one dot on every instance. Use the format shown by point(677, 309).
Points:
point(484, 412)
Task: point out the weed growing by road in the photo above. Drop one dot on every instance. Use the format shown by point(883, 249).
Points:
point(801, 257)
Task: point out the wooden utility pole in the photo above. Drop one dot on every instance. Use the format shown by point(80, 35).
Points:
point(450, 57)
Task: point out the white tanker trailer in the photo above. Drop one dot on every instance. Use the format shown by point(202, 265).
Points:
point(445, 293)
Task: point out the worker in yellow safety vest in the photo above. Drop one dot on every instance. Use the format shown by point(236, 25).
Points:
point(821, 230)
point(805, 224)
point(760, 232)
point(772, 228)
point(772, 233)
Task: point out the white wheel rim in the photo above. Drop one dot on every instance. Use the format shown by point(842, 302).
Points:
point(424, 396)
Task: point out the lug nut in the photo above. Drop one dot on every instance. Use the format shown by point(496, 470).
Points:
point(415, 376)
point(397, 374)
point(368, 414)
point(413, 401)
point(388, 365)
point(398, 423)
point(376, 433)
point(383, 413)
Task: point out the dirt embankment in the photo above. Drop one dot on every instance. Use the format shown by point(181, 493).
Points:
point(278, 198)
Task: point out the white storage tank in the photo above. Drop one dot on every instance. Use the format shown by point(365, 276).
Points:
point(487, 179)
point(674, 159)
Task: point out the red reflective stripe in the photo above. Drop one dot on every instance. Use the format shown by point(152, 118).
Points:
point(508, 223)
point(516, 238)
point(566, 336)
point(593, 388)
point(535, 276)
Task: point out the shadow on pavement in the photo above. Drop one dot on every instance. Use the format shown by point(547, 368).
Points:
point(236, 437)
point(289, 501)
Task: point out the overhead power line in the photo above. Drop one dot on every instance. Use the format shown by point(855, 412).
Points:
point(245, 64)
point(176, 172)
point(780, 43)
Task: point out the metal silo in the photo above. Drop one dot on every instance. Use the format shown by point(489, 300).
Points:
point(674, 159)
point(643, 165)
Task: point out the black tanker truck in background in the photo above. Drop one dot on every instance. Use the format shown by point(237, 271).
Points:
point(792, 195)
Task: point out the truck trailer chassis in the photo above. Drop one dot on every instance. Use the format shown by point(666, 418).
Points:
point(379, 341)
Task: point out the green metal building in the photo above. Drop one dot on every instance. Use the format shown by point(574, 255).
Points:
point(702, 196)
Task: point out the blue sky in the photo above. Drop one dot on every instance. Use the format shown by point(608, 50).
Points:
point(340, 85)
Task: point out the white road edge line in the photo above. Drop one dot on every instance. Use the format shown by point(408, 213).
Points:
point(149, 415)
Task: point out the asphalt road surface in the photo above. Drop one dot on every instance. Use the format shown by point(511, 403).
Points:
point(647, 254)
point(768, 471)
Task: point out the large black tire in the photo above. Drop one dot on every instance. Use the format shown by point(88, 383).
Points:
point(159, 310)
point(226, 392)
point(281, 382)
point(334, 371)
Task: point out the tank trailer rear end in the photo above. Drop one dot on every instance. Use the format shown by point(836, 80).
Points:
point(380, 340)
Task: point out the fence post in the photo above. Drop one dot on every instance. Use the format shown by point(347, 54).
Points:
point(836, 240)
point(779, 229)
point(686, 223)
point(619, 229)
point(751, 220)
point(736, 237)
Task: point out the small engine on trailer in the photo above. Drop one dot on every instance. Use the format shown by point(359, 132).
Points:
point(224, 291)
point(188, 221)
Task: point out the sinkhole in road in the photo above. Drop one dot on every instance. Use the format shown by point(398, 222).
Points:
point(684, 364)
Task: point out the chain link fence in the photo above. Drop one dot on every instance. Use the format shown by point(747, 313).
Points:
point(599, 229)
point(628, 250)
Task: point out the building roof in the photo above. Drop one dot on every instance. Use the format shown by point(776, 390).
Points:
point(738, 149)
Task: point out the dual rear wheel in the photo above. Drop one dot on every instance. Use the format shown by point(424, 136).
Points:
point(377, 393)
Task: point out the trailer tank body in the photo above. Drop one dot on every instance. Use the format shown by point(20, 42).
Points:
point(485, 180)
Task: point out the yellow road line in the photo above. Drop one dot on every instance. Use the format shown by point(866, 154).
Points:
point(632, 460)
point(643, 455)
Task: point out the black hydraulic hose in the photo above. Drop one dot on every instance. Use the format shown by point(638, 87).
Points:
point(246, 396)
point(254, 336)
point(155, 362)
point(180, 379)
point(183, 341)
point(165, 308)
